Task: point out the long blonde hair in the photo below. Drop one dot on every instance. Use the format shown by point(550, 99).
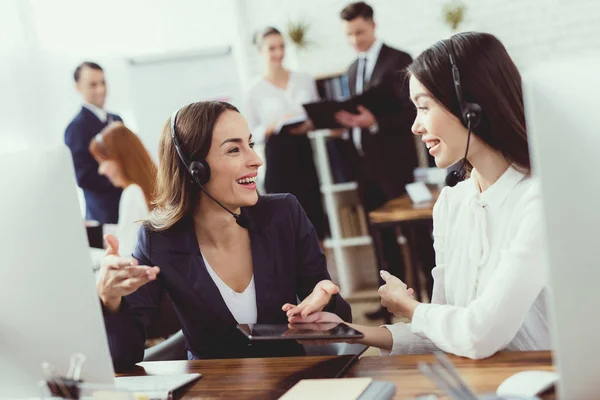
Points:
point(116, 142)
point(177, 195)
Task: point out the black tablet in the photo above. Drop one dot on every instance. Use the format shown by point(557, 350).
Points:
point(321, 331)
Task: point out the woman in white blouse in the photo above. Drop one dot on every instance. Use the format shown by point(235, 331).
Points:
point(124, 160)
point(490, 282)
point(273, 99)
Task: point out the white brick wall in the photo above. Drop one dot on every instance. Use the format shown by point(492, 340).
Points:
point(532, 30)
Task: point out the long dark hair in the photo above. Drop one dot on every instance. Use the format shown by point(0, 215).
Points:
point(176, 195)
point(488, 77)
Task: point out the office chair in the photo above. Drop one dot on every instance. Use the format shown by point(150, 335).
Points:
point(172, 348)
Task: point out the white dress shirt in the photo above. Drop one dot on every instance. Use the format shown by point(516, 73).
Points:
point(241, 305)
point(371, 57)
point(490, 281)
point(366, 63)
point(101, 113)
point(266, 103)
point(133, 208)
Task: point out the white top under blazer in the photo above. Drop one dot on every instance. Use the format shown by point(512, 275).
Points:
point(490, 281)
point(241, 305)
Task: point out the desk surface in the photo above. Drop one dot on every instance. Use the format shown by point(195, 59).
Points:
point(483, 376)
point(401, 209)
point(263, 378)
point(251, 378)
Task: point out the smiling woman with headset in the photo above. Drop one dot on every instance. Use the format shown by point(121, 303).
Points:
point(217, 272)
point(490, 284)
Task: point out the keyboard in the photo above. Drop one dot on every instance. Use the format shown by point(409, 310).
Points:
point(161, 386)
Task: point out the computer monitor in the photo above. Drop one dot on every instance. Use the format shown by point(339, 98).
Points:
point(49, 308)
point(562, 107)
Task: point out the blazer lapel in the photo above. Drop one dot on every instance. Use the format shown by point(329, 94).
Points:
point(352, 77)
point(381, 67)
point(262, 265)
point(184, 246)
point(261, 260)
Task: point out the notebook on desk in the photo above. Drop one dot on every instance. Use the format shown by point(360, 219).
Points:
point(342, 389)
point(155, 386)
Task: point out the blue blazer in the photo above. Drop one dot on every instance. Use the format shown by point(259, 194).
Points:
point(288, 263)
point(101, 197)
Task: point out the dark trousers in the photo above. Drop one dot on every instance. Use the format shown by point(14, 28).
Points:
point(373, 195)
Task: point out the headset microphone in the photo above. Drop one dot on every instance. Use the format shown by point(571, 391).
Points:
point(459, 175)
point(470, 115)
point(200, 172)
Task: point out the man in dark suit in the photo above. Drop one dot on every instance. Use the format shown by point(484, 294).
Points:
point(385, 146)
point(101, 197)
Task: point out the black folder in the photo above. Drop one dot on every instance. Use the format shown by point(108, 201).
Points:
point(380, 100)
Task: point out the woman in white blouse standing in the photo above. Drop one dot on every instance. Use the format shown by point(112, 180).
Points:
point(274, 98)
point(124, 160)
point(490, 283)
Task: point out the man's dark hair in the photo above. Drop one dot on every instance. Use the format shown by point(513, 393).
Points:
point(88, 64)
point(355, 10)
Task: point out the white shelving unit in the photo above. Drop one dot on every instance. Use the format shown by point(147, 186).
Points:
point(351, 256)
point(339, 187)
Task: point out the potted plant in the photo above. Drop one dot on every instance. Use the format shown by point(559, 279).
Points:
point(297, 33)
point(453, 13)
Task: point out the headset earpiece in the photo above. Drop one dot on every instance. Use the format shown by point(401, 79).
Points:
point(200, 171)
point(471, 114)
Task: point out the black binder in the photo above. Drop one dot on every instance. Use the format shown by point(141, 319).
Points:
point(380, 100)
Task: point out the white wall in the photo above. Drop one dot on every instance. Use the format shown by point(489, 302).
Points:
point(45, 40)
point(532, 30)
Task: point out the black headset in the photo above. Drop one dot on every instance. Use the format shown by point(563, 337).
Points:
point(200, 172)
point(470, 115)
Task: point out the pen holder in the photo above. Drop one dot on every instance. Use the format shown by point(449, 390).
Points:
point(67, 386)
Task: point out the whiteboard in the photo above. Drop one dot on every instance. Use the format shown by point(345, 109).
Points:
point(161, 84)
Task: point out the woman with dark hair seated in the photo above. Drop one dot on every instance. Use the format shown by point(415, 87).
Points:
point(490, 284)
point(217, 272)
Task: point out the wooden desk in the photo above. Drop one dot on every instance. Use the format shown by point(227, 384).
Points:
point(401, 209)
point(483, 376)
point(402, 213)
point(251, 378)
point(269, 378)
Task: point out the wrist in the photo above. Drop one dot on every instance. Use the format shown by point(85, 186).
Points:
point(328, 287)
point(407, 307)
point(111, 303)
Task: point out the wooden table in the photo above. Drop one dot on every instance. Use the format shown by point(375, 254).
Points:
point(483, 376)
point(249, 378)
point(269, 378)
point(402, 213)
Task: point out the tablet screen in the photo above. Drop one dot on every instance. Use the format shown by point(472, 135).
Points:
point(321, 331)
